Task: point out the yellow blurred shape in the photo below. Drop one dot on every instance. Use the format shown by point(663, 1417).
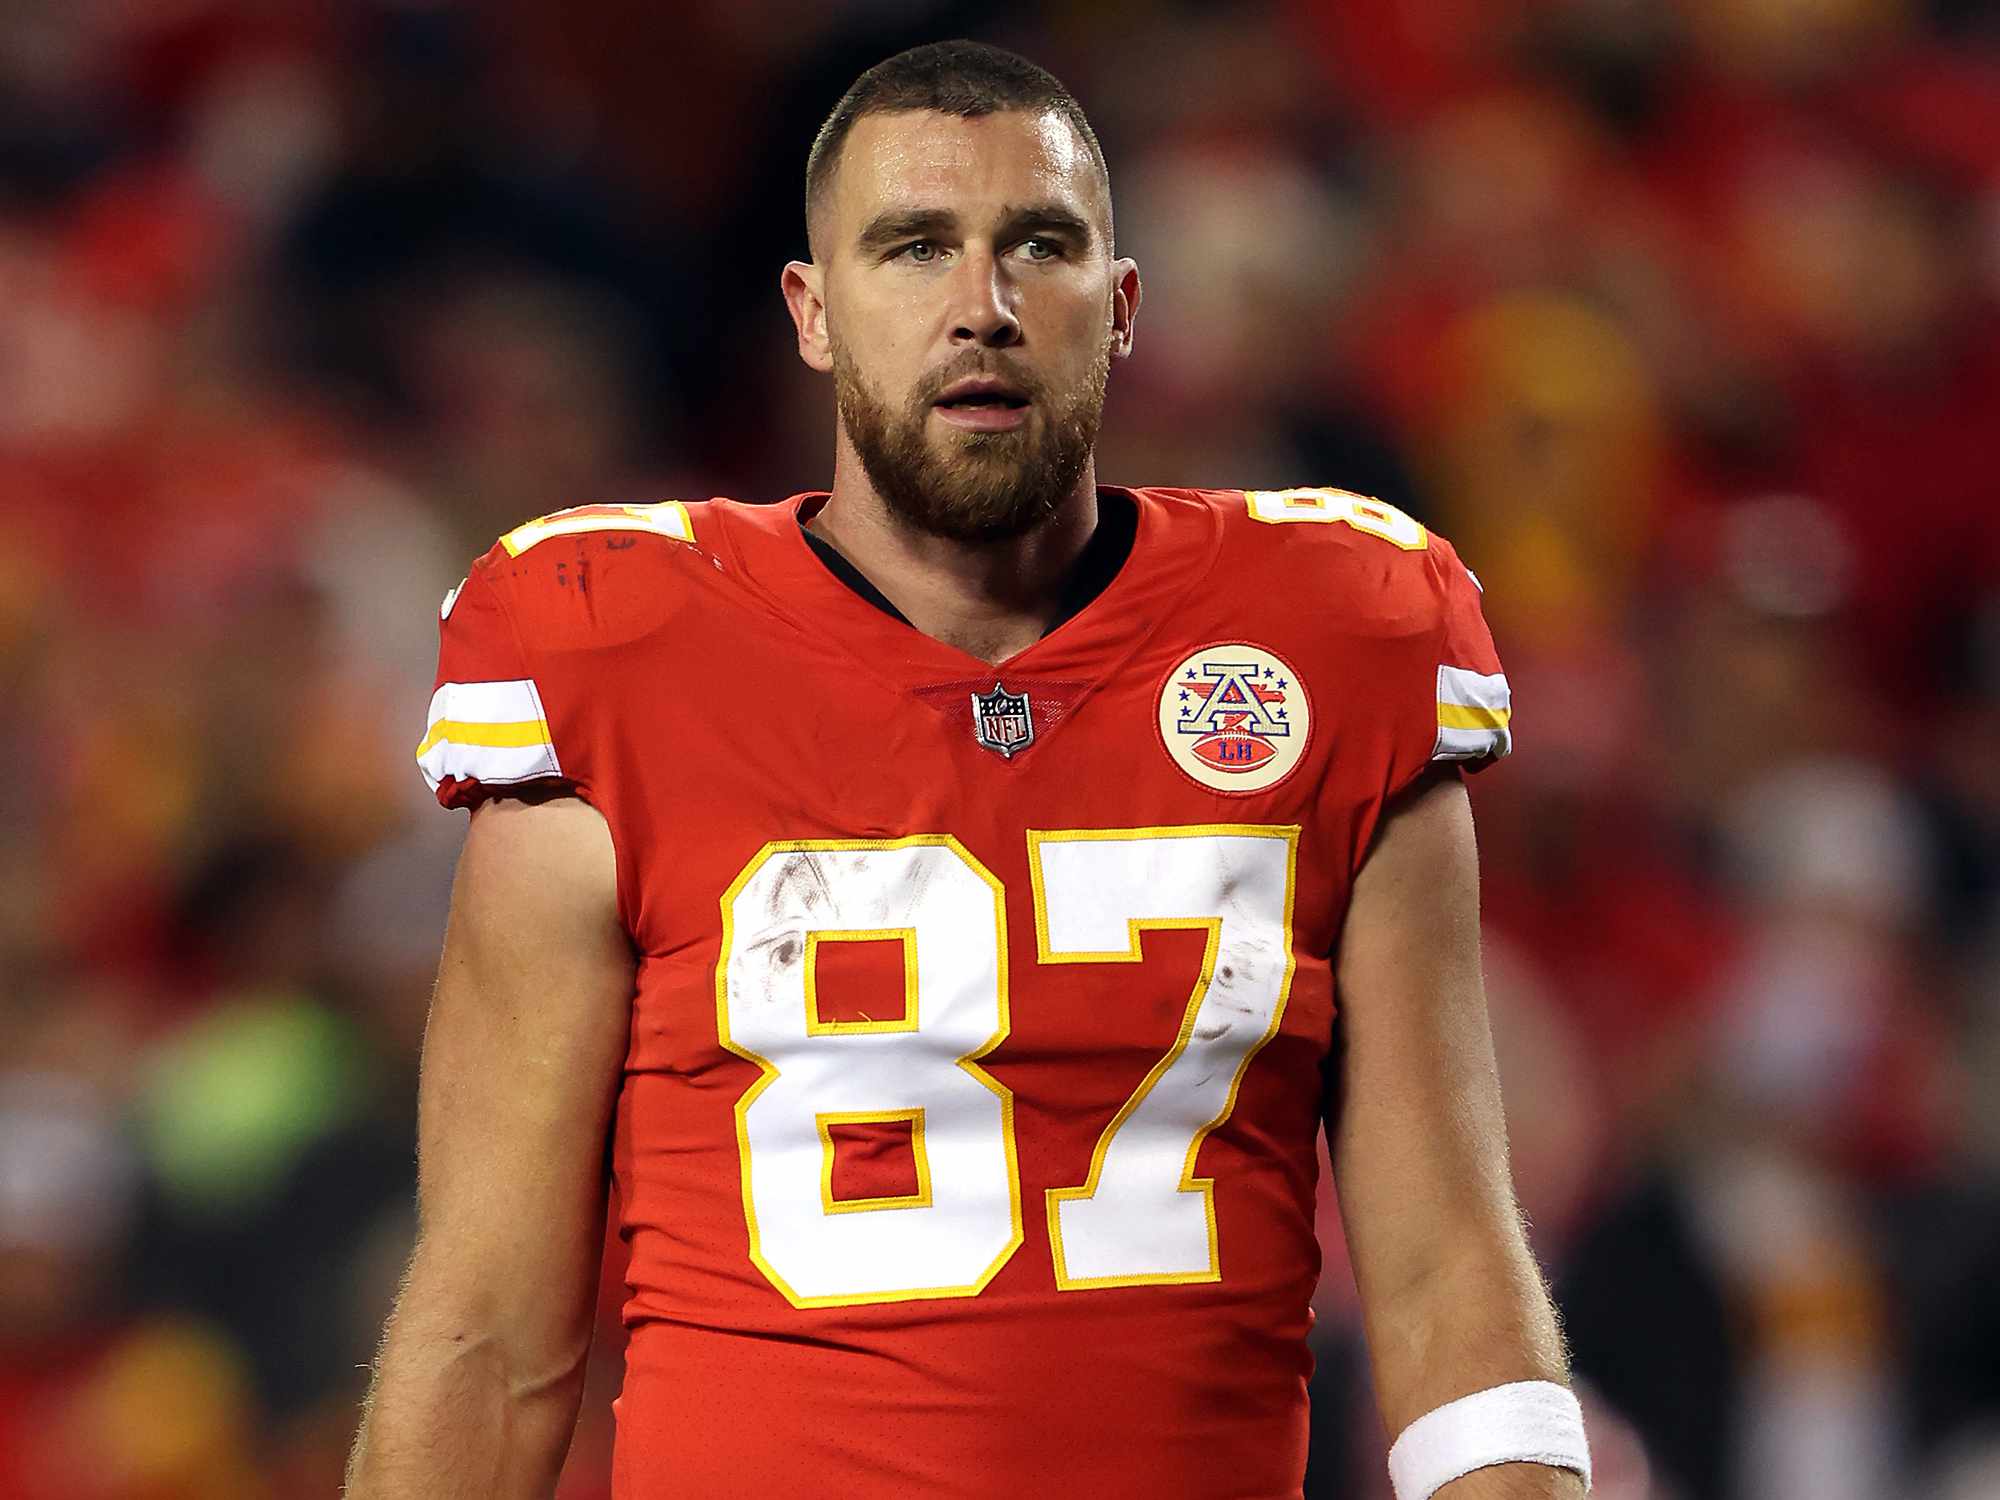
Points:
point(1549, 456)
point(1792, 38)
point(168, 1417)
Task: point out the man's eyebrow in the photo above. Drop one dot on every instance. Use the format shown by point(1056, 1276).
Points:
point(1056, 216)
point(894, 226)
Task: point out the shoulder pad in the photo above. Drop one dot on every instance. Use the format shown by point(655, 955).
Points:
point(1368, 570)
point(1360, 563)
point(596, 575)
point(662, 518)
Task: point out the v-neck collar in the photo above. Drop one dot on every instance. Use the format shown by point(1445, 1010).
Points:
point(1173, 546)
point(838, 565)
point(1103, 555)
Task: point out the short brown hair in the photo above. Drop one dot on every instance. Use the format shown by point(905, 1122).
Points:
point(962, 78)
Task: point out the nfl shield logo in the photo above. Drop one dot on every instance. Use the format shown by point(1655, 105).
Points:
point(1001, 721)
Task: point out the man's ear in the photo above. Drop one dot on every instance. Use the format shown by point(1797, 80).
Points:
point(1125, 290)
point(804, 285)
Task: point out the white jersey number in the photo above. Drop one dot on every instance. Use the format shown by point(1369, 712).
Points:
point(950, 914)
point(1140, 1215)
point(1363, 513)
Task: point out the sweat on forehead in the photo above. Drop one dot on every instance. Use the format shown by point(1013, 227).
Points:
point(929, 162)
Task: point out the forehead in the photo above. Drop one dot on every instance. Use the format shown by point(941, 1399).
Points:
point(924, 159)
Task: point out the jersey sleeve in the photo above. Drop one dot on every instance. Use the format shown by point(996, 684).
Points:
point(487, 728)
point(1453, 703)
point(1466, 714)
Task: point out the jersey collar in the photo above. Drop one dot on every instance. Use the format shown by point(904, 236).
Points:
point(1095, 566)
point(1173, 545)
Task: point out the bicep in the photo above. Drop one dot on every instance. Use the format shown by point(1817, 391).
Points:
point(1418, 1138)
point(522, 1054)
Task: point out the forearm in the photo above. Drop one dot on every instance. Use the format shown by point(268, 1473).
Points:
point(1479, 1321)
point(481, 1369)
point(1478, 1318)
point(1515, 1482)
point(1451, 1298)
point(456, 1411)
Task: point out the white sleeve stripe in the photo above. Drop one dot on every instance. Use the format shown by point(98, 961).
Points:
point(1472, 744)
point(493, 732)
point(484, 763)
point(486, 702)
point(1467, 689)
point(1474, 710)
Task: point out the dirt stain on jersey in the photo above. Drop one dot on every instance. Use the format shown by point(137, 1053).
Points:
point(770, 961)
point(801, 882)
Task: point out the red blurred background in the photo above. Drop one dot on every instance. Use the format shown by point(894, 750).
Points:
point(1682, 320)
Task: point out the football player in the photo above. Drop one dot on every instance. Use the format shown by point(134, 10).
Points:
point(956, 901)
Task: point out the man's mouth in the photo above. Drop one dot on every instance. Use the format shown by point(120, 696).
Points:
point(982, 392)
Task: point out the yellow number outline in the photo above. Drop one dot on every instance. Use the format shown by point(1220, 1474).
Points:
point(823, 1123)
point(815, 936)
point(968, 1063)
point(1135, 928)
point(1364, 513)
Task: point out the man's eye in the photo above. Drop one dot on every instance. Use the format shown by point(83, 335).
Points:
point(1040, 249)
point(923, 252)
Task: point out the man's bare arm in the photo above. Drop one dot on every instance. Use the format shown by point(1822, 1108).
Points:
point(481, 1366)
point(1450, 1294)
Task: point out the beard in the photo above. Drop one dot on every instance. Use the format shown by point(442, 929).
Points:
point(976, 486)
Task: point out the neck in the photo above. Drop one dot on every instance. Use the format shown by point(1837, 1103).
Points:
point(987, 599)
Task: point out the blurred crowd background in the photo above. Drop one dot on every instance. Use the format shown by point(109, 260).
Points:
point(1682, 320)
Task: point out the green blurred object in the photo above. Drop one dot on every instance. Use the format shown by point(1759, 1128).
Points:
point(235, 1100)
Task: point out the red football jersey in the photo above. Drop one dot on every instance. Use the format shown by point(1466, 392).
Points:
point(966, 1142)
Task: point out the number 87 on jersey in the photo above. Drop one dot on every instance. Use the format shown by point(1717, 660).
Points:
point(1135, 1213)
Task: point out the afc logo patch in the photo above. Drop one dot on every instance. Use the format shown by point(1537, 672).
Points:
point(1235, 717)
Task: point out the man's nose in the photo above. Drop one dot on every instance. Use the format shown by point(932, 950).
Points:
point(983, 310)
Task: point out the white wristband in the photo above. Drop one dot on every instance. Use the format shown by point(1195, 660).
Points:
point(1528, 1422)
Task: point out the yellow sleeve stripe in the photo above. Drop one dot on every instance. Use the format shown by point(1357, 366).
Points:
point(1474, 712)
point(514, 736)
point(492, 732)
point(1466, 716)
